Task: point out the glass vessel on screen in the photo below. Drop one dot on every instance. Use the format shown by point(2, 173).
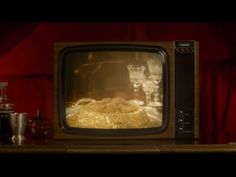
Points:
point(155, 70)
point(148, 87)
point(136, 74)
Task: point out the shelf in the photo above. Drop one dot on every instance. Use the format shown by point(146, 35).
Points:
point(97, 147)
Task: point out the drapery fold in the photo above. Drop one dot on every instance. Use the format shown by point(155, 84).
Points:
point(12, 33)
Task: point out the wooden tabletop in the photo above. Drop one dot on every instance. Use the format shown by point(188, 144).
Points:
point(97, 147)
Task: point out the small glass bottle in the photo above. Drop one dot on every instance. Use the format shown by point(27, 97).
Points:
point(39, 127)
point(6, 107)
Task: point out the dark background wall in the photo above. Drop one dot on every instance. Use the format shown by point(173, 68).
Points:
point(26, 62)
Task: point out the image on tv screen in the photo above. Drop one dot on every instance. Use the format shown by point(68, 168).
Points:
point(113, 89)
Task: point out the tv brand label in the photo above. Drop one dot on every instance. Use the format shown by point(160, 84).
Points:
point(184, 44)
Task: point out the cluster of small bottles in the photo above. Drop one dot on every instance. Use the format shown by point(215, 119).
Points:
point(37, 127)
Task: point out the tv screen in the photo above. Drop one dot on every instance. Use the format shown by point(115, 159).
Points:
point(114, 89)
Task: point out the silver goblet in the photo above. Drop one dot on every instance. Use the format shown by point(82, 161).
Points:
point(18, 123)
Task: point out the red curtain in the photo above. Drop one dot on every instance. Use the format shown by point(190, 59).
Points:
point(217, 101)
point(26, 62)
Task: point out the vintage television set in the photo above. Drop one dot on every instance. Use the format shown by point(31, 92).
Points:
point(126, 90)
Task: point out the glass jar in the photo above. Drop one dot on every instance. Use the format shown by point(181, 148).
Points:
point(6, 107)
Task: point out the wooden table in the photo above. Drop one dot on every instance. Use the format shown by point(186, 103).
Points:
point(114, 147)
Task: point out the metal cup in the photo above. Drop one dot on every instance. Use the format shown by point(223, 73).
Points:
point(18, 123)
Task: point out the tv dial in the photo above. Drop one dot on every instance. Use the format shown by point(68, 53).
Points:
point(180, 121)
point(180, 130)
point(182, 114)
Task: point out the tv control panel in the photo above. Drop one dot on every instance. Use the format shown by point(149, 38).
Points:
point(184, 123)
point(184, 89)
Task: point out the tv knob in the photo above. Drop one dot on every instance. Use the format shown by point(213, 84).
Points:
point(181, 114)
point(180, 121)
point(177, 50)
point(180, 130)
point(182, 51)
